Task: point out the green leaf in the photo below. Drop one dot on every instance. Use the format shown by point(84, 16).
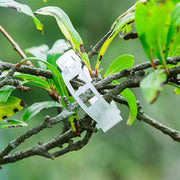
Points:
point(68, 30)
point(74, 122)
point(177, 90)
point(11, 106)
point(34, 80)
point(177, 87)
point(58, 48)
point(58, 80)
point(126, 29)
point(119, 25)
point(11, 124)
point(122, 62)
point(23, 9)
point(5, 92)
point(131, 100)
point(151, 85)
point(173, 44)
point(152, 23)
point(34, 109)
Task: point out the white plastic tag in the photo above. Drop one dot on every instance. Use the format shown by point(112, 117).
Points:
point(106, 115)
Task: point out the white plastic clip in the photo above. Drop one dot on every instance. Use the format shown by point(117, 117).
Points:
point(106, 115)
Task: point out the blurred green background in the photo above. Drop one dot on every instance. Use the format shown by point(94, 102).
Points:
point(138, 152)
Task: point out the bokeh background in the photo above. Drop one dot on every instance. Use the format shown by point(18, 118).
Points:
point(138, 152)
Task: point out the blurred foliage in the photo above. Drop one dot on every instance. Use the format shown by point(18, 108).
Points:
point(138, 152)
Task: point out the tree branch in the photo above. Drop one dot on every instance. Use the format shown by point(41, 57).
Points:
point(16, 47)
point(46, 124)
point(94, 50)
point(141, 116)
point(134, 76)
point(27, 69)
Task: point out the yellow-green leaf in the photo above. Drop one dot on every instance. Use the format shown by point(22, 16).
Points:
point(11, 106)
point(116, 28)
point(177, 90)
point(23, 9)
point(131, 100)
point(68, 30)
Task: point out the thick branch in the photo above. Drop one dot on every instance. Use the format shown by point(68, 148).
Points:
point(27, 69)
point(143, 66)
point(47, 123)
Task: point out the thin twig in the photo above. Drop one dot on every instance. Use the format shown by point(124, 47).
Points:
point(175, 135)
point(16, 47)
point(95, 49)
point(141, 116)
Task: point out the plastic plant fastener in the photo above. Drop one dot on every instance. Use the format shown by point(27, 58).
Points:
point(106, 115)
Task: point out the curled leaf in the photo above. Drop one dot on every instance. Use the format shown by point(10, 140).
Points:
point(152, 85)
point(131, 100)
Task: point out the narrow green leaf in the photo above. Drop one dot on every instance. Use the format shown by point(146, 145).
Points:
point(5, 92)
point(177, 87)
point(11, 124)
point(68, 30)
point(34, 80)
point(74, 123)
point(151, 85)
point(35, 108)
point(130, 98)
point(122, 62)
point(58, 80)
point(23, 9)
point(119, 25)
point(11, 106)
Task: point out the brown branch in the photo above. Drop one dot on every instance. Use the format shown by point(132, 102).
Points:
point(134, 76)
point(174, 134)
point(141, 116)
point(16, 47)
point(94, 50)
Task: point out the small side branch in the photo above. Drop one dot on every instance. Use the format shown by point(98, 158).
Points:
point(175, 135)
point(94, 50)
point(141, 116)
point(16, 47)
